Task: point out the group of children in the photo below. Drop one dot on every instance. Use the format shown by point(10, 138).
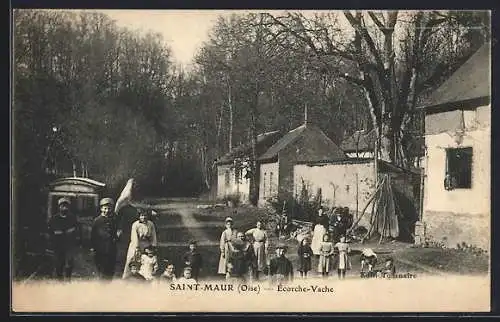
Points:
point(328, 255)
point(331, 255)
point(145, 268)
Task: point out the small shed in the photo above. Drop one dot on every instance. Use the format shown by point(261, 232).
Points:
point(84, 194)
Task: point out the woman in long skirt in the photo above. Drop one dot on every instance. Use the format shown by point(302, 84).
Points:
point(226, 236)
point(318, 233)
point(142, 235)
point(260, 246)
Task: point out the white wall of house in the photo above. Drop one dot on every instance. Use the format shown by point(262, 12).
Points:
point(459, 214)
point(365, 154)
point(269, 181)
point(338, 183)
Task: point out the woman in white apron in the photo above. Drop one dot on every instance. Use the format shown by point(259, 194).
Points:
point(317, 238)
point(226, 236)
point(142, 235)
point(260, 246)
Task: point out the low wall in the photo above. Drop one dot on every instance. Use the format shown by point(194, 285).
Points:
point(456, 228)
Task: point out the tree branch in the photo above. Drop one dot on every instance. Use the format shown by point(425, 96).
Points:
point(356, 24)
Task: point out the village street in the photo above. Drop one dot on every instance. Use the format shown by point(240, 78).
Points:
point(181, 220)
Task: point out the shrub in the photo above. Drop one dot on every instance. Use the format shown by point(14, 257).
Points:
point(468, 248)
point(234, 199)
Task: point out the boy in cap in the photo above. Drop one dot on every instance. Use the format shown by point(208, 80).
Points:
point(104, 237)
point(64, 235)
point(280, 267)
point(193, 259)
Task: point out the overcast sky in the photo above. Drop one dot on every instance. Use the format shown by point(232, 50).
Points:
point(183, 30)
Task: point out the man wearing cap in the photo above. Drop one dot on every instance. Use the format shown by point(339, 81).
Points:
point(280, 267)
point(63, 231)
point(104, 237)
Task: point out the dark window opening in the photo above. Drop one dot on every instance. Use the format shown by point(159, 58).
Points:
point(458, 168)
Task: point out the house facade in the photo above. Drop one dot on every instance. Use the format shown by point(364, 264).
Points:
point(306, 143)
point(277, 155)
point(232, 176)
point(456, 205)
point(352, 182)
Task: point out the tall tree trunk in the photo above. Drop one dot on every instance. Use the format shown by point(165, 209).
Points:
point(230, 103)
point(254, 188)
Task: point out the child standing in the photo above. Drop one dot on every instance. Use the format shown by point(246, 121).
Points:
point(192, 258)
point(280, 267)
point(343, 262)
point(325, 256)
point(149, 263)
point(305, 254)
point(187, 278)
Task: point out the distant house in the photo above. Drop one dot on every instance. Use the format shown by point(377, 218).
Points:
point(304, 143)
point(232, 178)
point(456, 205)
point(361, 144)
point(277, 154)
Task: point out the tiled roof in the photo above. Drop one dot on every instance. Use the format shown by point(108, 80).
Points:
point(360, 141)
point(293, 135)
point(470, 81)
point(264, 141)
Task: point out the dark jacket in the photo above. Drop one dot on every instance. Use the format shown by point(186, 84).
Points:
point(64, 232)
point(281, 266)
point(104, 234)
point(193, 258)
point(242, 257)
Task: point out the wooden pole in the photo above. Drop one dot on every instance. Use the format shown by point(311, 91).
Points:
point(375, 159)
point(357, 195)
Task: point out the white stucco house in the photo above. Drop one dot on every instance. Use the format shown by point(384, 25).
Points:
point(456, 203)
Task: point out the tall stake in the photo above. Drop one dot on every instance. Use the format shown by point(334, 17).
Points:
point(357, 195)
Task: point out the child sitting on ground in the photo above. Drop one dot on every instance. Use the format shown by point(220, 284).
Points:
point(368, 259)
point(187, 278)
point(389, 269)
point(169, 274)
point(134, 273)
point(149, 263)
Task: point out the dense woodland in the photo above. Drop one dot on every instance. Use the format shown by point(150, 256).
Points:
point(111, 103)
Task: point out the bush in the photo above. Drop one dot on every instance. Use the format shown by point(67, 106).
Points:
point(468, 248)
point(295, 209)
point(234, 199)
